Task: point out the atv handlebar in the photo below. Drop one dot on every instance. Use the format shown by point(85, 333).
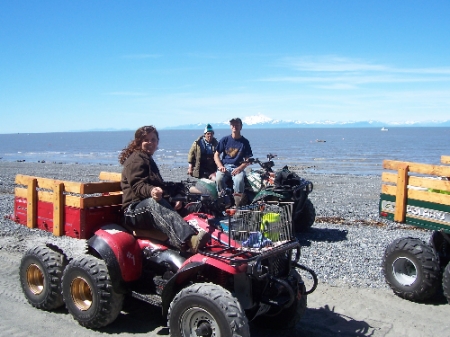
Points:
point(190, 197)
point(267, 165)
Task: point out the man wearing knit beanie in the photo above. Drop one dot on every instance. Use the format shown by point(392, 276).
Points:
point(208, 128)
point(201, 155)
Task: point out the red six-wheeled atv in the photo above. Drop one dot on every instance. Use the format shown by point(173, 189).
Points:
point(246, 272)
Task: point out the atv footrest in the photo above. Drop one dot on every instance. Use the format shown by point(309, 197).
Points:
point(152, 299)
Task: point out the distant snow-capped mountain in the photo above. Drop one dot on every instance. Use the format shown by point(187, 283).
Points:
point(263, 122)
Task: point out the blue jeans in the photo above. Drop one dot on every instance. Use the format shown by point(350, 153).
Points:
point(238, 179)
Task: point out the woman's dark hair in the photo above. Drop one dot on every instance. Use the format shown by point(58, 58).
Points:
point(136, 143)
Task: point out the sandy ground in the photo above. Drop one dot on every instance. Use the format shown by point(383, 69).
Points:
point(332, 311)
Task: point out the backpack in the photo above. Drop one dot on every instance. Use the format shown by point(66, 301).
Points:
point(285, 177)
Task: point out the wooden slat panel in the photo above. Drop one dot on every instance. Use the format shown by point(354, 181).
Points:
point(439, 198)
point(69, 200)
point(116, 193)
point(425, 182)
point(58, 209)
point(437, 170)
point(19, 192)
point(400, 196)
point(101, 201)
point(389, 189)
point(112, 176)
point(102, 187)
point(445, 159)
point(69, 186)
point(31, 196)
point(46, 183)
point(73, 201)
point(389, 177)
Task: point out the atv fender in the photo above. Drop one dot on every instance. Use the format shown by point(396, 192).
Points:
point(264, 193)
point(121, 253)
point(187, 273)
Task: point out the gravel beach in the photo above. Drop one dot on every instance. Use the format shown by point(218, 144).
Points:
point(344, 247)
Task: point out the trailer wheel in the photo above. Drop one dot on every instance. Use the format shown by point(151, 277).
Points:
point(88, 292)
point(446, 282)
point(411, 269)
point(40, 273)
point(289, 317)
point(441, 246)
point(205, 309)
point(306, 218)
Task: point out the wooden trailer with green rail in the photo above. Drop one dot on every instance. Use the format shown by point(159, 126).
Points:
point(419, 195)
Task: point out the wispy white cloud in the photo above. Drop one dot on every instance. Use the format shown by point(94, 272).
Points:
point(142, 56)
point(333, 72)
point(431, 71)
point(352, 80)
point(337, 86)
point(330, 64)
point(125, 93)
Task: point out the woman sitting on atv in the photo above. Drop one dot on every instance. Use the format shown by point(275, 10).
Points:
point(143, 189)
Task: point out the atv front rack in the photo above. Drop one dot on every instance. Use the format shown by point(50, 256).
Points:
point(259, 226)
point(255, 232)
point(238, 257)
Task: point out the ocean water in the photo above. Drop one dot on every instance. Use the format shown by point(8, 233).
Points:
point(358, 151)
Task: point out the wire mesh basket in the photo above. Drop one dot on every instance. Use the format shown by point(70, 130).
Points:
point(261, 226)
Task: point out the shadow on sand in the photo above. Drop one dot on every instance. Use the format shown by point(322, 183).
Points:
point(324, 322)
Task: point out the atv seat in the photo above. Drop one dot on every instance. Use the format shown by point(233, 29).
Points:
point(152, 233)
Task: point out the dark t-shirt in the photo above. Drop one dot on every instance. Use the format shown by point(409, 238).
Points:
point(234, 150)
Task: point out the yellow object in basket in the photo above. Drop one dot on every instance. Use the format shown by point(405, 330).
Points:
point(266, 226)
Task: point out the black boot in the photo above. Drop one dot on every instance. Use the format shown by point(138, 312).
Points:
point(240, 199)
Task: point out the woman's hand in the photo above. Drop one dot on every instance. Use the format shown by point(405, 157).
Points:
point(178, 205)
point(157, 193)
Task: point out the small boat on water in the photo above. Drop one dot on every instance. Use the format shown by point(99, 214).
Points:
point(384, 129)
point(320, 141)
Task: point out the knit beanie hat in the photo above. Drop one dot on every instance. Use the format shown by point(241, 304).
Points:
point(208, 128)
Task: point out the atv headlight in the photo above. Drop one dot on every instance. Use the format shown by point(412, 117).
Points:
point(295, 254)
point(255, 269)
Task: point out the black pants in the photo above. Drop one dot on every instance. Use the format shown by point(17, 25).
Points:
point(148, 214)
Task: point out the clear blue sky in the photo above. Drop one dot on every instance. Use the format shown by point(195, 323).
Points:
point(78, 65)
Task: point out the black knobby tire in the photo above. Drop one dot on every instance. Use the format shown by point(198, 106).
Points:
point(89, 294)
point(446, 282)
point(304, 221)
point(40, 273)
point(289, 317)
point(411, 269)
point(441, 246)
point(207, 307)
